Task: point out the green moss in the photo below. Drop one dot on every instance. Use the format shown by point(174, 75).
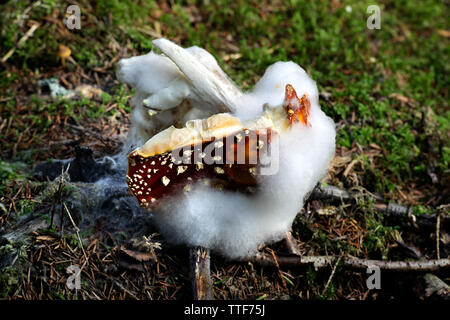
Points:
point(11, 171)
point(422, 210)
point(330, 292)
point(16, 259)
point(378, 236)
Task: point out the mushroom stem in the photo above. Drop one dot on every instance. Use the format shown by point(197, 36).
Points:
point(200, 270)
point(291, 244)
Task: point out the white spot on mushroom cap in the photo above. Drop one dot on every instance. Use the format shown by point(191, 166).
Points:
point(165, 180)
point(219, 170)
point(181, 169)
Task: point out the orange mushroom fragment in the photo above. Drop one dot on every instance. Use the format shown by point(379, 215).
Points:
point(63, 53)
point(297, 109)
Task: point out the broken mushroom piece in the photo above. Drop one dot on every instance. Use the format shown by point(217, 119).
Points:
point(220, 151)
point(297, 109)
point(171, 88)
point(208, 81)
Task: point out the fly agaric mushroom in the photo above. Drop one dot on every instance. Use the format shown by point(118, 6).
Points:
point(63, 53)
point(234, 180)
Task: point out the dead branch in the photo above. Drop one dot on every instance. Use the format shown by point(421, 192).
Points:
point(77, 230)
point(388, 209)
point(291, 244)
point(438, 237)
point(57, 197)
point(200, 269)
point(352, 263)
point(435, 286)
point(330, 193)
point(331, 275)
point(22, 40)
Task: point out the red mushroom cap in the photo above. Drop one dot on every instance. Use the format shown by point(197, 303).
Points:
point(230, 162)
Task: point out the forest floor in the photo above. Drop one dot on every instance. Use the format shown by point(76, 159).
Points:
point(386, 89)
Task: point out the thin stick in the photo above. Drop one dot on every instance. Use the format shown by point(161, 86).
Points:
point(61, 212)
point(291, 244)
point(25, 37)
point(77, 231)
point(274, 257)
point(353, 263)
point(389, 210)
point(57, 196)
point(200, 269)
point(331, 275)
point(435, 286)
point(438, 228)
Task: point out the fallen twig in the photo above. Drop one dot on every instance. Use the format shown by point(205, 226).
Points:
point(388, 209)
point(435, 286)
point(77, 230)
point(291, 244)
point(438, 229)
point(57, 196)
point(25, 37)
point(330, 193)
point(274, 257)
point(200, 269)
point(331, 275)
point(352, 263)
